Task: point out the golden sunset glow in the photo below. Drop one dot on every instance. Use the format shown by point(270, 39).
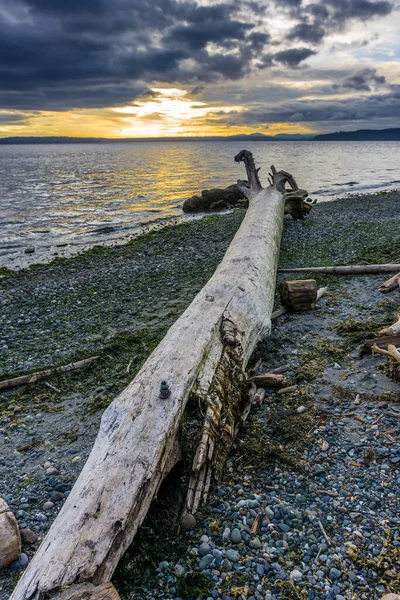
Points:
point(165, 112)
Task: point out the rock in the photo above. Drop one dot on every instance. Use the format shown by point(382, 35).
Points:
point(76, 459)
point(232, 555)
point(10, 539)
point(204, 549)
point(29, 250)
point(28, 536)
point(23, 559)
point(295, 575)
point(188, 522)
point(226, 565)
point(390, 597)
point(47, 465)
point(255, 544)
point(301, 409)
point(52, 471)
point(334, 574)
point(48, 505)
point(215, 199)
point(24, 448)
point(205, 561)
point(236, 536)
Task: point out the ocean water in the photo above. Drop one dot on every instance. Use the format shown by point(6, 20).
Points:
point(62, 199)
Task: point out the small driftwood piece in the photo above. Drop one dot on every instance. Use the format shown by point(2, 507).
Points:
point(392, 329)
point(34, 377)
point(202, 357)
point(299, 294)
point(346, 270)
point(391, 284)
point(380, 342)
point(10, 539)
point(284, 310)
point(394, 360)
point(268, 380)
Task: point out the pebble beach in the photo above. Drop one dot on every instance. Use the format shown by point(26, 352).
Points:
point(308, 504)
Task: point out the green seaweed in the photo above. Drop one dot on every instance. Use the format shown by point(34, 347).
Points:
point(194, 586)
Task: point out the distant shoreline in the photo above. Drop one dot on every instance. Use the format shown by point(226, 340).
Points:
point(365, 135)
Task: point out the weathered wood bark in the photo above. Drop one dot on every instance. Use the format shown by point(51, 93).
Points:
point(203, 356)
point(268, 380)
point(299, 294)
point(346, 270)
point(10, 539)
point(34, 377)
point(393, 364)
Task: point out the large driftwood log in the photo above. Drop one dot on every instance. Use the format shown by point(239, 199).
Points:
point(203, 356)
point(391, 284)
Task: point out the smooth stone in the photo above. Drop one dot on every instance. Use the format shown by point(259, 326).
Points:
point(334, 573)
point(188, 522)
point(205, 561)
point(232, 555)
point(295, 575)
point(204, 549)
point(236, 536)
point(48, 505)
point(28, 536)
point(23, 559)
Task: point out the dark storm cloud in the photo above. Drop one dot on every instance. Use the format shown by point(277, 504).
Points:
point(318, 19)
point(383, 106)
point(95, 53)
point(11, 118)
point(86, 52)
point(363, 81)
point(293, 56)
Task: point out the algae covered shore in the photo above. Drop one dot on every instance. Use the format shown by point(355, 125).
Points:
point(118, 303)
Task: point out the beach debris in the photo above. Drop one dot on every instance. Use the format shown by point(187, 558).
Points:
point(391, 284)
point(392, 329)
point(346, 269)
point(284, 310)
point(10, 539)
point(34, 377)
point(393, 354)
point(268, 380)
point(370, 457)
point(299, 294)
point(380, 342)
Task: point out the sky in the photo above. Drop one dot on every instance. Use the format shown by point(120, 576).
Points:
point(155, 68)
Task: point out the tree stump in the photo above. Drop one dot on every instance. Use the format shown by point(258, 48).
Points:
point(299, 294)
point(10, 539)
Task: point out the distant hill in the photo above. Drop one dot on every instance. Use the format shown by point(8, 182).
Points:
point(340, 136)
point(362, 135)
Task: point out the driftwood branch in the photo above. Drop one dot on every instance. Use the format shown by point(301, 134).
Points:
point(34, 377)
point(391, 284)
point(346, 270)
point(392, 351)
point(392, 329)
